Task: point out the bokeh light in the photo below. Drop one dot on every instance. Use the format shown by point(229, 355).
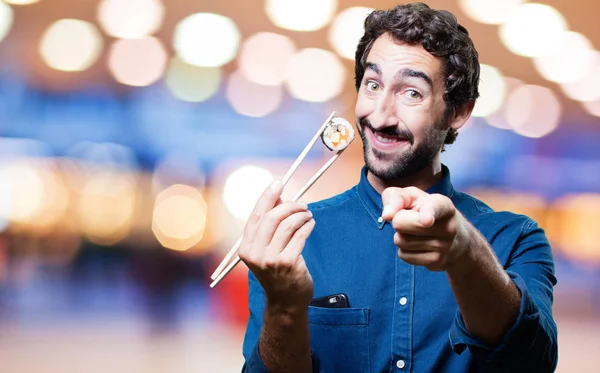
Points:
point(531, 204)
point(32, 194)
point(347, 29)
point(493, 12)
point(251, 99)
point(242, 189)
point(130, 19)
point(315, 75)
point(6, 19)
point(588, 87)
point(574, 223)
point(265, 57)
point(179, 217)
point(177, 167)
point(206, 39)
point(192, 83)
point(592, 107)
point(107, 204)
point(20, 2)
point(71, 45)
point(28, 193)
point(498, 118)
point(301, 15)
point(571, 60)
point(533, 111)
point(533, 29)
point(137, 62)
point(492, 91)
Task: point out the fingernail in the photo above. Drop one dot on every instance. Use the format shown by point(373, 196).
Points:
point(275, 184)
point(304, 205)
point(386, 210)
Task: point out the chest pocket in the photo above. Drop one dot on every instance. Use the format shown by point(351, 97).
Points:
point(340, 338)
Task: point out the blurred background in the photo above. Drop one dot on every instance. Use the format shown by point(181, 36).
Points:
point(135, 136)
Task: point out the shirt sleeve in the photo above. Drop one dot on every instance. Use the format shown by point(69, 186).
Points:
point(256, 304)
point(530, 345)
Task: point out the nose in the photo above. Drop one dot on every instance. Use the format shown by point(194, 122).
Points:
point(385, 112)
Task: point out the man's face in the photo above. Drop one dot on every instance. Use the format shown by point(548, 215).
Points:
point(400, 109)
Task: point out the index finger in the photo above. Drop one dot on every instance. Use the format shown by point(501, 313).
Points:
point(396, 199)
point(269, 199)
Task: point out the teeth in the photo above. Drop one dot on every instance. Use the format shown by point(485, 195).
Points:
point(385, 139)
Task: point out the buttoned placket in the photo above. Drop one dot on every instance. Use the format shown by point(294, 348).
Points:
point(402, 316)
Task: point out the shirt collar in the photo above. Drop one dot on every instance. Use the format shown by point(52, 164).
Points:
point(371, 199)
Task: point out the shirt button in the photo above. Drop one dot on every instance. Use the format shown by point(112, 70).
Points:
point(400, 364)
point(380, 219)
point(403, 301)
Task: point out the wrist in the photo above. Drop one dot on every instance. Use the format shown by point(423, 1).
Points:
point(285, 316)
point(465, 246)
point(285, 309)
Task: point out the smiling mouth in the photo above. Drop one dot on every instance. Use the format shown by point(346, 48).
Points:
point(386, 141)
point(387, 138)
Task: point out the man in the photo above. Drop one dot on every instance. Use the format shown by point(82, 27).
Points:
point(436, 281)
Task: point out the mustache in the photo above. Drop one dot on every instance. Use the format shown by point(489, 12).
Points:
point(390, 131)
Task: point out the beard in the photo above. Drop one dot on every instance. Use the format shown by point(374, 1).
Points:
point(391, 166)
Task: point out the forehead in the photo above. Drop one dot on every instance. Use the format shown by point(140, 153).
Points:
point(391, 55)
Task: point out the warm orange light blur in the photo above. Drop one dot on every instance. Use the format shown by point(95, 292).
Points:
point(33, 195)
point(137, 62)
point(522, 38)
point(179, 217)
point(20, 2)
point(492, 89)
point(587, 88)
point(572, 59)
point(251, 99)
point(301, 15)
point(493, 12)
point(106, 205)
point(347, 29)
point(206, 39)
point(592, 107)
point(71, 45)
point(530, 204)
point(315, 75)
point(130, 19)
point(192, 83)
point(265, 57)
point(6, 19)
point(243, 187)
point(498, 118)
point(533, 111)
point(573, 224)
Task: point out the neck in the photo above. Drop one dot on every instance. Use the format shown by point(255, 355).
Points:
point(422, 179)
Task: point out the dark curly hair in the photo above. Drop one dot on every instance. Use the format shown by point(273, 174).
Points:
point(440, 34)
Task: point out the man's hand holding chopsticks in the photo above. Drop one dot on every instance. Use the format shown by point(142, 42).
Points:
point(272, 245)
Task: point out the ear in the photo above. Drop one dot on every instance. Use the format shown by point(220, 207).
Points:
point(461, 114)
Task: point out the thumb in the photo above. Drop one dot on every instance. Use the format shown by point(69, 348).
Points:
point(435, 207)
point(427, 215)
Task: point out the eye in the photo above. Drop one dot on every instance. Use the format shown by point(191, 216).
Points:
point(413, 95)
point(373, 86)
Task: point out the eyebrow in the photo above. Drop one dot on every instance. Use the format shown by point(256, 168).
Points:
point(374, 67)
point(415, 74)
point(404, 73)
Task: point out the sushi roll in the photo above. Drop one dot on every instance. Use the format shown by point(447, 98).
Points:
point(338, 134)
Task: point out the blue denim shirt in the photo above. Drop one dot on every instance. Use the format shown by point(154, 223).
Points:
point(404, 318)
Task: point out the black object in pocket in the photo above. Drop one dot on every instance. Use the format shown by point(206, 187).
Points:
point(331, 301)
